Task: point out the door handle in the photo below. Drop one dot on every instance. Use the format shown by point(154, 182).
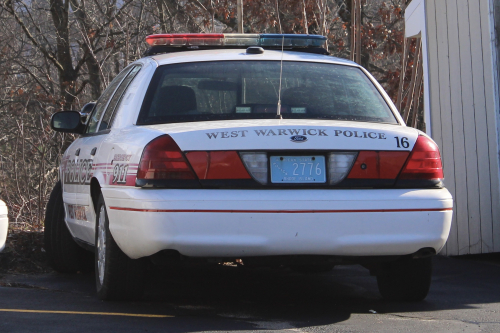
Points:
point(92, 152)
point(77, 153)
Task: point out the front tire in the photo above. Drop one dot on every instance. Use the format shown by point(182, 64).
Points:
point(64, 255)
point(117, 276)
point(406, 280)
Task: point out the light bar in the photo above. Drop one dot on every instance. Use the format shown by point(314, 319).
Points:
point(269, 40)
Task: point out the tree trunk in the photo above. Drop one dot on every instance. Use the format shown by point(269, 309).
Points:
point(67, 75)
point(93, 66)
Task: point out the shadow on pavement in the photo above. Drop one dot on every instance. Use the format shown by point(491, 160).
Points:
point(235, 298)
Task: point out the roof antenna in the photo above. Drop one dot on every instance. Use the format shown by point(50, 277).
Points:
point(278, 113)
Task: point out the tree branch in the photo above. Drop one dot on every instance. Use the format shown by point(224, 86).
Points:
point(10, 9)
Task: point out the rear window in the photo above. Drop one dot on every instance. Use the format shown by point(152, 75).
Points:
point(249, 90)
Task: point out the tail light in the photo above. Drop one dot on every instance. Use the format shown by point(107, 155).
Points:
point(217, 165)
point(164, 165)
point(419, 168)
point(424, 162)
point(378, 164)
point(162, 159)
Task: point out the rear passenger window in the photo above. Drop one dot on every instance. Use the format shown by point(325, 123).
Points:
point(109, 115)
point(103, 102)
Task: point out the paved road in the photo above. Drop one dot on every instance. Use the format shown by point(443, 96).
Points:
point(464, 297)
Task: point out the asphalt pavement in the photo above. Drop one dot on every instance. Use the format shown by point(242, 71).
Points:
point(464, 297)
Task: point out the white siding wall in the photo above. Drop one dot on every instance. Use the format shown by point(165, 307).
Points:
point(463, 115)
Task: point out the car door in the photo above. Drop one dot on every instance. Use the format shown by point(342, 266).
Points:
point(85, 160)
point(118, 170)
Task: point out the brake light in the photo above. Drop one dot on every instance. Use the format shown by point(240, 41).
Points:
point(163, 159)
point(217, 165)
point(378, 164)
point(424, 161)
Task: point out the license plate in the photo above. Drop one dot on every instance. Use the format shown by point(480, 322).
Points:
point(298, 169)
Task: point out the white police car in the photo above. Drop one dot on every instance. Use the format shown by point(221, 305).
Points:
point(253, 147)
point(4, 224)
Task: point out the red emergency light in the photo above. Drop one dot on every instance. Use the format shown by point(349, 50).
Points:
point(185, 39)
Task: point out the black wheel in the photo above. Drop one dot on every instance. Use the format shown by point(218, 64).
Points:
point(406, 280)
point(312, 268)
point(117, 276)
point(63, 253)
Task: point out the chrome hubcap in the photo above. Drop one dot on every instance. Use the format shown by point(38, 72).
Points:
point(101, 244)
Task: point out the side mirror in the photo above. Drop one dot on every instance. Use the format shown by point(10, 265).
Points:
point(67, 122)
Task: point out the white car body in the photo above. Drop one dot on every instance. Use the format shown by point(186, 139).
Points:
point(247, 222)
point(4, 224)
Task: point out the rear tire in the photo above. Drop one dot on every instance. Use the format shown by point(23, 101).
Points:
point(117, 276)
point(64, 255)
point(406, 280)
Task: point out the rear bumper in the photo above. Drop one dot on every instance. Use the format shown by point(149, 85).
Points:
point(4, 225)
point(241, 223)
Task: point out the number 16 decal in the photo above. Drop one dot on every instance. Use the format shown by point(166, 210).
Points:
point(403, 142)
point(120, 174)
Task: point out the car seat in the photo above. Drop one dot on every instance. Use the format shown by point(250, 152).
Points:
point(173, 100)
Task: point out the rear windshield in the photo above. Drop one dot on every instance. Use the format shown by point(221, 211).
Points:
point(222, 90)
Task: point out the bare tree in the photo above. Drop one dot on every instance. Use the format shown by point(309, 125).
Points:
point(60, 54)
